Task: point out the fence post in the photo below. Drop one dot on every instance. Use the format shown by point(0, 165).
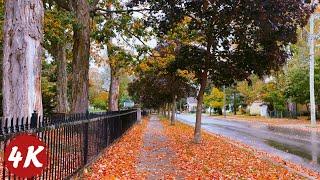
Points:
point(34, 120)
point(85, 139)
point(138, 115)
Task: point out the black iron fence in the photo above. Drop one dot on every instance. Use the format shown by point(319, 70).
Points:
point(72, 140)
point(289, 114)
point(283, 114)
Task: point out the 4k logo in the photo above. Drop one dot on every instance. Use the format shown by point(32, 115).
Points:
point(26, 156)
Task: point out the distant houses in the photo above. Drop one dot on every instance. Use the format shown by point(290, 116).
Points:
point(261, 108)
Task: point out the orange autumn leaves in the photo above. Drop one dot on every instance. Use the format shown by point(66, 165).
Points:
point(120, 160)
point(217, 158)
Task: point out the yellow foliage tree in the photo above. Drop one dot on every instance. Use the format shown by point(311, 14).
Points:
point(101, 100)
point(214, 99)
point(251, 92)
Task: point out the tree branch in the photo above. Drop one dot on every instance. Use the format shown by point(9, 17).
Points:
point(107, 11)
point(94, 4)
point(63, 4)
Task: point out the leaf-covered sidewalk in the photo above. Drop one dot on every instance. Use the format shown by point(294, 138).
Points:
point(155, 160)
point(156, 150)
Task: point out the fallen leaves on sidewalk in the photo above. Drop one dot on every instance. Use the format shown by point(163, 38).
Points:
point(120, 159)
point(156, 156)
point(215, 157)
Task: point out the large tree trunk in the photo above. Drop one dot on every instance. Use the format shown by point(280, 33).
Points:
point(23, 35)
point(203, 84)
point(60, 56)
point(81, 53)
point(114, 91)
point(173, 114)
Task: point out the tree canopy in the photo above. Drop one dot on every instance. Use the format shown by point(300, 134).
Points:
point(230, 39)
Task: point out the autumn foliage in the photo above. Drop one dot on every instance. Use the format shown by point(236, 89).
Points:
point(215, 157)
point(120, 160)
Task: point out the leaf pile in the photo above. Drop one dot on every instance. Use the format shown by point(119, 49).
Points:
point(120, 159)
point(215, 157)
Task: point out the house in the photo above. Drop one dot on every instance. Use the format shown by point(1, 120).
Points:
point(191, 104)
point(258, 108)
point(128, 104)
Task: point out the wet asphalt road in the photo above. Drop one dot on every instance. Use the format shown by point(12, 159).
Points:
point(298, 147)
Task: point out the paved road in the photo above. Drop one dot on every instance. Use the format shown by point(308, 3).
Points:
point(295, 146)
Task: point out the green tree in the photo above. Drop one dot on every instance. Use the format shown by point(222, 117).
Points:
point(297, 87)
point(272, 92)
point(101, 101)
point(57, 37)
point(126, 29)
point(274, 96)
point(48, 87)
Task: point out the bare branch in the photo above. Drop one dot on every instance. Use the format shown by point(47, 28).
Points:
point(63, 4)
point(108, 11)
point(94, 5)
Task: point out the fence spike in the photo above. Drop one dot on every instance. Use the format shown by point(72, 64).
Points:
point(12, 125)
point(22, 124)
point(34, 120)
point(39, 121)
point(17, 124)
point(6, 130)
point(27, 123)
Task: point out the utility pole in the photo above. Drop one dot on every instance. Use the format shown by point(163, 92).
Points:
point(224, 102)
point(312, 52)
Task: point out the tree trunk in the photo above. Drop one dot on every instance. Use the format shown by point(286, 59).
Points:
point(81, 53)
point(234, 104)
point(114, 91)
point(60, 56)
point(23, 35)
point(173, 114)
point(164, 111)
point(307, 106)
point(203, 84)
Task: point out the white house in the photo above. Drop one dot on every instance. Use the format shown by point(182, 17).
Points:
point(258, 108)
point(192, 104)
point(128, 104)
